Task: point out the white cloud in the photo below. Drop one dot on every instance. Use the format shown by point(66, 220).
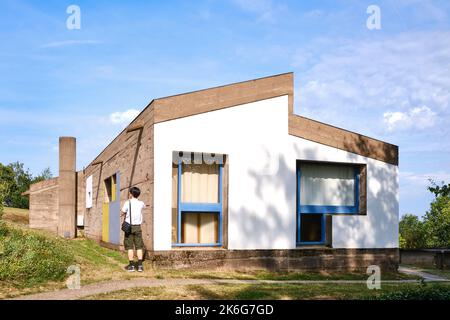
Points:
point(58, 44)
point(377, 84)
point(418, 118)
point(123, 118)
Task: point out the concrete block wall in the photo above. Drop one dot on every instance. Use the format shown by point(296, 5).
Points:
point(44, 205)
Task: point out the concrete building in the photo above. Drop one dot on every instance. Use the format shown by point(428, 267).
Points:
point(232, 178)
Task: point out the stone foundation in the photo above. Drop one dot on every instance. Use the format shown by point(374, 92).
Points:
point(311, 259)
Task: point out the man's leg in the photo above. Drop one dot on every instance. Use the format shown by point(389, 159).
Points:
point(131, 254)
point(140, 254)
point(128, 243)
point(139, 243)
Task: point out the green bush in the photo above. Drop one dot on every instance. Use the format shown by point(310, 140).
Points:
point(2, 197)
point(412, 232)
point(28, 258)
point(423, 292)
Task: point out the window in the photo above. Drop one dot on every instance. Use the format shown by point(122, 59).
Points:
point(197, 200)
point(110, 189)
point(325, 189)
point(111, 210)
point(89, 192)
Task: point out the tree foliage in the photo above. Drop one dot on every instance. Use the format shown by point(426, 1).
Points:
point(434, 230)
point(412, 232)
point(437, 219)
point(2, 197)
point(14, 180)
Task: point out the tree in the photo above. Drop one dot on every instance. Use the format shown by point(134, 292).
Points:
point(7, 183)
point(439, 190)
point(45, 175)
point(437, 219)
point(2, 196)
point(413, 232)
point(22, 182)
point(15, 180)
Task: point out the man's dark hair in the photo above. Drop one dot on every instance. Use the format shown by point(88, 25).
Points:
point(135, 192)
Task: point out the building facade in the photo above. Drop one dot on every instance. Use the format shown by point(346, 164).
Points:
point(232, 178)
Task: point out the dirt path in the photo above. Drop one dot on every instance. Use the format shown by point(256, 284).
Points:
point(111, 286)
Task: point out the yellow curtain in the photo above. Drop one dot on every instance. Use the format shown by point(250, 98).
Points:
point(200, 183)
point(200, 228)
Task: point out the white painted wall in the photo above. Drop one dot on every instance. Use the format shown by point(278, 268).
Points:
point(262, 181)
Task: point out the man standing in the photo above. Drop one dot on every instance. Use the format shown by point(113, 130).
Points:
point(132, 210)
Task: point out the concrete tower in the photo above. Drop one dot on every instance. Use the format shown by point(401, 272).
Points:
point(67, 187)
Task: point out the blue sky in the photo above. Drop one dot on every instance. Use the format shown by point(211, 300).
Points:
point(392, 84)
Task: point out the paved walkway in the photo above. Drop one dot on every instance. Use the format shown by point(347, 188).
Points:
point(424, 275)
point(111, 286)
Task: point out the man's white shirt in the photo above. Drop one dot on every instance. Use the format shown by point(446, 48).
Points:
point(136, 211)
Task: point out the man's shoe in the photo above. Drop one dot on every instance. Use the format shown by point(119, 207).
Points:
point(140, 268)
point(130, 268)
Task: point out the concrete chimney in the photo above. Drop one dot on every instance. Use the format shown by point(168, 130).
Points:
point(67, 187)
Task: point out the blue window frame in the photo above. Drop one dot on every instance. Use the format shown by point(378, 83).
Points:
point(324, 210)
point(198, 208)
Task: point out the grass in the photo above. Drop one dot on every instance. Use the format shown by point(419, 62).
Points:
point(29, 258)
point(282, 292)
point(16, 216)
point(439, 272)
point(33, 261)
point(267, 275)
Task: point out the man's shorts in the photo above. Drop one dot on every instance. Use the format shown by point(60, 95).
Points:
point(134, 239)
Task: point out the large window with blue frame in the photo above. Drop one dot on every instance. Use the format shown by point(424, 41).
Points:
point(324, 189)
point(197, 181)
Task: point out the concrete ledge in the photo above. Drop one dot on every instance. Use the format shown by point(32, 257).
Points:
point(320, 259)
point(432, 258)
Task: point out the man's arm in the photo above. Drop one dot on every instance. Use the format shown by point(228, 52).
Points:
point(124, 209)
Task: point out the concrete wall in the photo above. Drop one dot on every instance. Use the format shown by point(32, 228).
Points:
point(262, 181)
point(278, 260)
point(81, 194)
point(430, 258)
point(131, 154)
point(44, 205)
point(67, 193)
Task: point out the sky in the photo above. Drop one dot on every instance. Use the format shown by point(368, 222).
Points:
point(391, 83)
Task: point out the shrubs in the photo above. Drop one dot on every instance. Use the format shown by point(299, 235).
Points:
point(28, 258)
point(2, 197)
point(423, 292)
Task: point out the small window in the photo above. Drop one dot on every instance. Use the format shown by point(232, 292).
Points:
point(110, 189)
point(311, 228)
point(89, 195)
point(325, 189)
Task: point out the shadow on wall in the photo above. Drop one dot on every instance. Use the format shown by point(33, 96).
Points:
point(382, 203)
point(377, 229)
point(271, 227)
